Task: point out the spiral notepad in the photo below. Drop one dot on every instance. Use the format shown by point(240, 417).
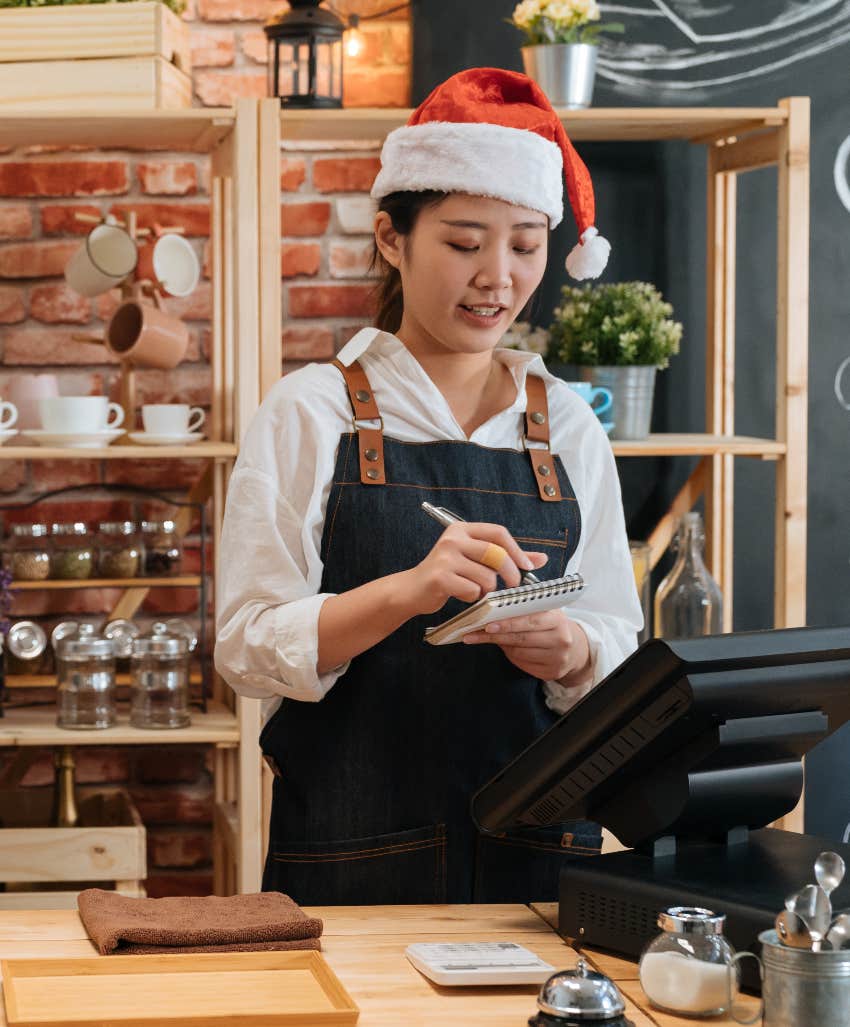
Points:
point(507, 602)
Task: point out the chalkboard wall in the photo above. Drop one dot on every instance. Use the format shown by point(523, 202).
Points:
point(651, 205)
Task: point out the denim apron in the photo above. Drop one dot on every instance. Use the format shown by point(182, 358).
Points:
point(373, 783)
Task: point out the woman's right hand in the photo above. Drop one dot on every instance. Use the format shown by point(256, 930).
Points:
point(454, 569)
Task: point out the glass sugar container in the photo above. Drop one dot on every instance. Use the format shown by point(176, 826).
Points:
point(163, 548)
point(119, 550)
point(85, 679)
point(29, 552)
point(159, 679)
point(73, 551)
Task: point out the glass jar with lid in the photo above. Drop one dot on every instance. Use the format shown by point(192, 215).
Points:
point(119, 550)
point(163, 548)
point(29, 552)
point(26, 649)
point(85, 679)
point(73, 551)
point(159, 679)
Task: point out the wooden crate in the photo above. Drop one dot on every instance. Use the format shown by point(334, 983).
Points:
point(108, 845)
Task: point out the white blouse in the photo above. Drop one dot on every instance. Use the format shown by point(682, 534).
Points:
point(271, 570)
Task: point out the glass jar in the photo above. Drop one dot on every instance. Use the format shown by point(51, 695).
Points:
point(26, 649)
point(690, 968)
point(73, 551)
point(688, 601)
point(85, 669)
point(163, 548)
point(29, 552)
point(119, 551)
point(159, 680)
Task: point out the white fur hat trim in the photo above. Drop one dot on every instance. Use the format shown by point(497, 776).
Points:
point(478, 158)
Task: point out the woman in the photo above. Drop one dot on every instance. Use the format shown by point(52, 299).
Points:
point(331, 571)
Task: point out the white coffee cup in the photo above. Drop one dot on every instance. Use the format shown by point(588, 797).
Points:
point(106, 257)
point(12, 410)
point(71, 415)
point(171, 418)
point(171, 263)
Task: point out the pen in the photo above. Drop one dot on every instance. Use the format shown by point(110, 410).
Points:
point(446, 517)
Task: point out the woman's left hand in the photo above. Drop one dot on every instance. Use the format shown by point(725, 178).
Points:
point(546, 645)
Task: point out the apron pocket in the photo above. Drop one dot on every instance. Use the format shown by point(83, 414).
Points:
point(403, 867)
point(557, 549)
point(523, 865)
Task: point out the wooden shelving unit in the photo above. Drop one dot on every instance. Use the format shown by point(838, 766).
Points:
point(181, 581)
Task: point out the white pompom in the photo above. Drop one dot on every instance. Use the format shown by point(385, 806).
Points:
point(588, 258)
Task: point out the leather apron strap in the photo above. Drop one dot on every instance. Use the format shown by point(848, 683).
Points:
point(537, 432)
point(370, 441)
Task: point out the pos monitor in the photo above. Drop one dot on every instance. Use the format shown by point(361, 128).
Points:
point(685, 752)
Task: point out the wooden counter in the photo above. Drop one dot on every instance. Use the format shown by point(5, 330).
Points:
point(365, 946)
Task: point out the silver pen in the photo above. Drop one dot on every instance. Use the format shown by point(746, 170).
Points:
point(446, 517)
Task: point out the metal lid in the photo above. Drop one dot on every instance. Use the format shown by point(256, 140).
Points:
point(161, 643)
point(29, 530)
point(85, 645)
point(75, 528)
point(26, 640)
point(582, 994)
point(165, 527)
point(117, 527)
point(122, 633)
point(183, 629)
point(691, 920)
point(64, 629)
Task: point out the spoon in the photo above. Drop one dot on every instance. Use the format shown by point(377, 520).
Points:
point(792, 931)
point(813, 907)
point(829, 871)
point(838, 935)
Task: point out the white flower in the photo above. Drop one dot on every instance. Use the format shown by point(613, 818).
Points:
point(566, 12)
point(522, 336)
point(526, 12)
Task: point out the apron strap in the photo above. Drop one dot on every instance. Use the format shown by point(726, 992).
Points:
point(370, 441)
point(537, 431)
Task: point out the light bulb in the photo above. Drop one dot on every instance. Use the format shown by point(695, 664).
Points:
point(353, 42)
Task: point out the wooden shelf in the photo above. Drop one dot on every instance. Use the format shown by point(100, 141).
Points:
point(701, 445)
point(619, 124)
point(198, 451)
point(28, 727)
point(182, 581)
point(49, 680)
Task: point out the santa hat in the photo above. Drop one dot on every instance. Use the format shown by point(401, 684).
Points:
point(491, 132)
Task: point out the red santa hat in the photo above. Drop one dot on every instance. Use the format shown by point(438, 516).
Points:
point(491, 132)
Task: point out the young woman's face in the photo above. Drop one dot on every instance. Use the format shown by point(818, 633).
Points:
point(468, 268)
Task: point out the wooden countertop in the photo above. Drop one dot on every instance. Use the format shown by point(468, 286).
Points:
point(365, 946)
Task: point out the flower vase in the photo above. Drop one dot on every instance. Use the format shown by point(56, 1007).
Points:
point(564, 71)
point(632, 388)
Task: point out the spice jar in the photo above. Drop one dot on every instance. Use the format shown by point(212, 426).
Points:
point(73, 551)
point(163, 548)
point(29, 552)
point(119, 550)
point(85, 665)
point(26, 649)
point(159, 680)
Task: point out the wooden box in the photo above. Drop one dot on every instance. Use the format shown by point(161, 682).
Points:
point(119, 56)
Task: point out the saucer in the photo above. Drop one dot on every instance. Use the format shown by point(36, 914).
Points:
point(6, 434)
point(609, 426)
point(150, 439)
point(74, 439)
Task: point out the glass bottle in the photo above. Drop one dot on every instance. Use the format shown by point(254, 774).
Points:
point(688, 601)
point(64, 812)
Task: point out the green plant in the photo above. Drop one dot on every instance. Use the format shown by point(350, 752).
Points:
point(560, 21)
point(178, 6)
point(616, 324)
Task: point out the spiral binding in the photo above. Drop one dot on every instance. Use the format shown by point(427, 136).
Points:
point(539, 590)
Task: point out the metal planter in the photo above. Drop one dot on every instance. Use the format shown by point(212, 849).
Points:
point(564, 71)
point(632, 389)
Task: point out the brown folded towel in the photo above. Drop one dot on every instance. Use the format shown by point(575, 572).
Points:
point(238, 923)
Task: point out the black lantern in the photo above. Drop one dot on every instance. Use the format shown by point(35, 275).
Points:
point(305, 56)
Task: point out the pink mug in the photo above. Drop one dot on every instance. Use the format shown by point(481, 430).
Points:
point(25, 390)
point(145, 335)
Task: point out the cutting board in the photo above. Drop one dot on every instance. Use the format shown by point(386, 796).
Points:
point(205, 990)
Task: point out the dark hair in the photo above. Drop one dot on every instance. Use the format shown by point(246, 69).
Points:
point(403, 208)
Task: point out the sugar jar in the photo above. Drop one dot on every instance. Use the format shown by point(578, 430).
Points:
point(85, 679)
point(159, 679)
point(690, 968)
point(29, 552)
point(582, 995)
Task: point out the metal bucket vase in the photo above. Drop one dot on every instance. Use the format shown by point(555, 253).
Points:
point(632, 389)
point(564, 71)
point(804, 987)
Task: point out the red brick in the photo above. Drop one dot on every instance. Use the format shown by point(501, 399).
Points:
point(13, 473)
point(255, 46)
point(351, 259)
point(59, 219)
point(376, 88)
point(169, 764)
point(307, 343)
point(40, 346)
point(165, 804)
point(194, 218)
point(168, 177)
point(107, 303)
point(206, 343)
point(293, 172)
point(15, 222)
point(349, 175)
point(299, 259)
point(59, 304)
point(299, 219)
point(59, 474)
point(172, 475)
point(400, 46)
point(221, 88)
point(206, 259)
point(179, 849)
point(182, 385)
point(86, 509)
point(190, 882)
point(195, 307)
point(35, 259)
point(101, 765)
point(172, 601)
point(64, 178)
point(330, 300)
point(51, 603)
point(347, 332)
point(12, 307)
point(213, 49)
point(238, 10)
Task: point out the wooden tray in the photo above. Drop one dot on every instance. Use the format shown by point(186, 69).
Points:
point(245, 988)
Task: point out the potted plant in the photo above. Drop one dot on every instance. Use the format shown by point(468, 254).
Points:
point(618, 334)
point(561, 46)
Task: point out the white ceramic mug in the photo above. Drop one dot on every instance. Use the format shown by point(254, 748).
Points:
point(171, 418)
point(107, 256)
point(71, 415)
point(12, 410)
point(171, 264)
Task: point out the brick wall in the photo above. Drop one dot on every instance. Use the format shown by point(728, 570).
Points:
point(326, 224)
